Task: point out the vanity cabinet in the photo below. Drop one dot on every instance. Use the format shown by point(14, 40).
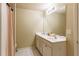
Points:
point(47, 48)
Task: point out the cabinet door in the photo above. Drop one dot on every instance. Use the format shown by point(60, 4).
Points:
point(47, 50)
point(37, 42)
point(41, 46)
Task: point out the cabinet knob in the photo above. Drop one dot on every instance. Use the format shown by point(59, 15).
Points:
point(45, 45)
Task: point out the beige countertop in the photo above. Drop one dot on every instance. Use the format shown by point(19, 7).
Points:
point(52, 39)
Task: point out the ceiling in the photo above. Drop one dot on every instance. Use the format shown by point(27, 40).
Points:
point(39, 6)
point(33, 6)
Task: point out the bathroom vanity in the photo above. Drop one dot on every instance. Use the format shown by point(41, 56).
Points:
point(51, 46)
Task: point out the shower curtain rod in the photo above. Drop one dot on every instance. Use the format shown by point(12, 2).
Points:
point(9, 6)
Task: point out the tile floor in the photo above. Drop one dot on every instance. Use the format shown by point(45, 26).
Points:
point(30, 51)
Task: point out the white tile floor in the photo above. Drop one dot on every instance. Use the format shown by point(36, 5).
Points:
point(27, 52)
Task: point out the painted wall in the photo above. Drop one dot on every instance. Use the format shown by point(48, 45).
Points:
point(55, 23)
point(29, 21)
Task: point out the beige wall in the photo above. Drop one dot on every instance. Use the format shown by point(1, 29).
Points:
point(29, 21)
point(55, 23)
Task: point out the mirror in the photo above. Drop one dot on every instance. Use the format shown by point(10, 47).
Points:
point(55, 19)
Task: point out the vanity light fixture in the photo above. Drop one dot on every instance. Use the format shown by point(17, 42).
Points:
point(50, 10)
